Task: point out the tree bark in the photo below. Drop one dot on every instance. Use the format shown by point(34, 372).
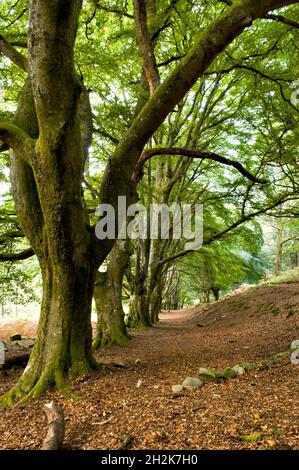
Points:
point(278, 250)
point(111, 328)
point(50, 209)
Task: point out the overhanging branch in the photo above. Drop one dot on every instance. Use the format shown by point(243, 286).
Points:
point(15, 56)
point(227, 230)
point(191, 154)
point(22, 255)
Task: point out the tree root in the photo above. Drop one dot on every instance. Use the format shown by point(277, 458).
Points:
point(107, 341)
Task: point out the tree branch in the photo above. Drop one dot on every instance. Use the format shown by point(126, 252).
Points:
point(16, 57)
point(11, 234)
point(212, 41)
point(111, 9)
point(145, 46)
point(192, 154)
point(269, 16)
point(282, 19)
point(18, 140)
point(25, 254)
point(230, 228)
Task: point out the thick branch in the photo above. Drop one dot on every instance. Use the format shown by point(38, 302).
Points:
point(145, 45)
point(10, 235)
point(25, 254)
point(282, 19)
point(268, 16)
point(18, 140)
point(192, 154)
point(209, 45)
point(9, 51)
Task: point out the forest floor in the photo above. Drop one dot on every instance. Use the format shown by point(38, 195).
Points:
point(264, 404)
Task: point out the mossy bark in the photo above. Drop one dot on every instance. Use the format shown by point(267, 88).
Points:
point(111, 328)
point(139, 316)
point(63, 343)
point(48, 199)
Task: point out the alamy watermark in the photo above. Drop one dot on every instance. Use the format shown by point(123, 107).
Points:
point(158, 221)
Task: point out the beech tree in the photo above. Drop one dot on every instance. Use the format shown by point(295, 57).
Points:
point(47, 164)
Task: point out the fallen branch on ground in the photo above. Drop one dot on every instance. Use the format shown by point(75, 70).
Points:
point(56, 426)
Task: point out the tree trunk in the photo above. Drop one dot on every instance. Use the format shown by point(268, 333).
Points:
point(278, 251)
point(205, 297)
point(139, 306)
point(111, 328)
point(294, 260)
point(139, 316)
point(216, 290)
point(46, 178)
point(64, 333)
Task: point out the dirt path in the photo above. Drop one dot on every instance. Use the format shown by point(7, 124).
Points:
point(247, 327)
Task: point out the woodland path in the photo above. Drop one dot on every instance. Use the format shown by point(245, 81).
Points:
point(249, 326)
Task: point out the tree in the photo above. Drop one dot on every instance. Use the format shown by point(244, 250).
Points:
point(47, 164)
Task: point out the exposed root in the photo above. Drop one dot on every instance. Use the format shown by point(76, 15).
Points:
point(107, 341)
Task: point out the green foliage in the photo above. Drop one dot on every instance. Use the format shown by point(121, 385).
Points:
point(16, 284)
point(240, 109)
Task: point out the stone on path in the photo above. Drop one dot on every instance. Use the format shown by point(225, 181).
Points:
point(228, 373)
point(177, 389)
point(192, 383)
point(239, 369)
point(207, 375)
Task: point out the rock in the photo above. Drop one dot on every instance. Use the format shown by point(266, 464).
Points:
point(16, 337)
point(228, 373)
point(177, 389)
point(139, 383)
point(239, 369)
point(295, 344)
point(192, 383)
point(295, 357)
point(207, 375)
point(137, 361)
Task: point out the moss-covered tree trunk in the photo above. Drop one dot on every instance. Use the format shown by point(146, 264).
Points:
point(47, 165)
point(139, 315)
point(63, 341)
point(111, 328)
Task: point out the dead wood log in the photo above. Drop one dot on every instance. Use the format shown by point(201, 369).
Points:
point(19, 360)
point(56, 426)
